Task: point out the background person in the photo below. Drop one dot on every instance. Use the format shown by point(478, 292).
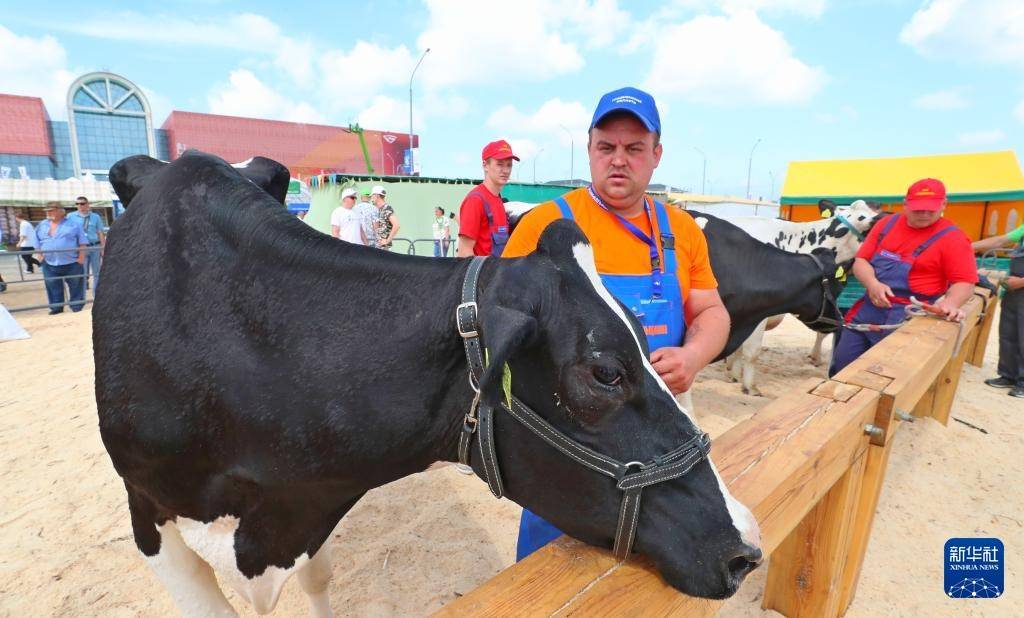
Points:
point(442, 231)
point(653, 259)
point(1011, 317)
point(26, 242)
point(387, 222)
point(92, 224)
point(345, 223)
point(367, 213)
point(916, 253)
point(483, 224)
point(58, 238)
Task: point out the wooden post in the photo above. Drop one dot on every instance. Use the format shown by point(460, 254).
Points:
point(947, 382)
point(876, 462)
point(805, 571)
point(977, 357)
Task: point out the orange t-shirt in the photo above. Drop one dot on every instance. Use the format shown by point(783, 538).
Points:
point(616, 250)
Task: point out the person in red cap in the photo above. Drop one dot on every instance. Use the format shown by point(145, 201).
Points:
point(483, 225)
point(916, 253)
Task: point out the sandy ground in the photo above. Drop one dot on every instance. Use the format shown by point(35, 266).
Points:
point(408, 548)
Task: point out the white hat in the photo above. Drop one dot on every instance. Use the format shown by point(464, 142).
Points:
point(350, 192)
point(378, 190)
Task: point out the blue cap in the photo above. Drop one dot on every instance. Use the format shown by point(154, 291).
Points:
point(632, 100)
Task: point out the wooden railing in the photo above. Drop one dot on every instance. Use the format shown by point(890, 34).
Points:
point(810, 465)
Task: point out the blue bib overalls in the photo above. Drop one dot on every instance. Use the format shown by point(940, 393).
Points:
point(657, 302)
point(892, 270)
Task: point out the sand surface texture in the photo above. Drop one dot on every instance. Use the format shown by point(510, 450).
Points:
point(66, 546)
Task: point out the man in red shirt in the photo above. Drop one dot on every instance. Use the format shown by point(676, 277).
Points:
point(916, 253)
point(483, 225)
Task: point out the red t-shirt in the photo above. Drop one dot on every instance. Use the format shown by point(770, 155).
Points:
point(473, 220)
point(949, 260)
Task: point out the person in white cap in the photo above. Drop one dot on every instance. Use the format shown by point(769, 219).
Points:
point(345, 222)
point(387, 222)
point(368, 217)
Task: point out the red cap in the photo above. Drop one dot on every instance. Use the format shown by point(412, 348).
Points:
point(926, 194)
point(498, 150)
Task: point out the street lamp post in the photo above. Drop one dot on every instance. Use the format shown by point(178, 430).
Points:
point(412, 164)
point(535, 165)
point(704, 172)
point(771, 196)
point(572, 153)
point(750, 163)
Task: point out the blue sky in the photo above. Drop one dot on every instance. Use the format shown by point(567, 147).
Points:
point(810, 78)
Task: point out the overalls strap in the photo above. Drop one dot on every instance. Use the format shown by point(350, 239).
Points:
point(890, 222)
point(931, 240)
point(668, 240)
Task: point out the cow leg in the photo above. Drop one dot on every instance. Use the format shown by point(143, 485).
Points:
point(314, 579)
point(188, 579)
point(750, 351)
point(732, 370)
point(816, 350)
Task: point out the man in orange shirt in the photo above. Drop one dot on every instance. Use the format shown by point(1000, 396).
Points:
point(651, 258)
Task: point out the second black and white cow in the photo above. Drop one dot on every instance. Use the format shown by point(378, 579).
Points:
point(255, 378)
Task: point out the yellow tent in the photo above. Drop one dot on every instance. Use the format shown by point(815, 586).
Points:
point(985, 189)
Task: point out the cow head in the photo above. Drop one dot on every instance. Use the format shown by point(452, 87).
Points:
point(129, 175)
point(822, 312)
point(849, 225)
point(580, 360)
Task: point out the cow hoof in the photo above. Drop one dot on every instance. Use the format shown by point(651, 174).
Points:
point(816, 361)
point(753, 391)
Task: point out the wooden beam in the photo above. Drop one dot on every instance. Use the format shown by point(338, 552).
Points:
point(948, 381)
point(908, 364)
point(805, 571)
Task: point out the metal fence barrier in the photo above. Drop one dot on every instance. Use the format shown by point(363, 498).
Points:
point(24, 279)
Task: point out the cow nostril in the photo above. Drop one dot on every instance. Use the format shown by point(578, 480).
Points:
point(745, 562)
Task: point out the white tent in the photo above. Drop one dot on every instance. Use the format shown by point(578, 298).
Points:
point(21, 192)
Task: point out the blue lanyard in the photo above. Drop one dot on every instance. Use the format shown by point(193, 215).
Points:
point(652, 246)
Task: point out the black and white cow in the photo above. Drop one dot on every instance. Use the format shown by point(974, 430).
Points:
point(841, 230)
point(239, 361)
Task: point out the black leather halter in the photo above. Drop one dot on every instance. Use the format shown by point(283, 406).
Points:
point(630, 477)
point(827, 298)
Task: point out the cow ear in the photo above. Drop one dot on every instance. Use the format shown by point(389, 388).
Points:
point(268, 175)
point(559, 238)
point(129, 175)
point(506, 331)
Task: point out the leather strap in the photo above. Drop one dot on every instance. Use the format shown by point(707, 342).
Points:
point(630, 477)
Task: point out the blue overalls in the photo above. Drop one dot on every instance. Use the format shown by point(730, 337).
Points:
point(892, 270)
point(499, 235)
point(657, 302)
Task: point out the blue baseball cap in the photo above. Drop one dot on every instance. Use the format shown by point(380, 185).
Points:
point(632, 100)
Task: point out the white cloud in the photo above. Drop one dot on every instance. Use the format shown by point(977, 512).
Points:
point(804, 8)
point(981, 138)
point(987, 30)
point(485, 42)
point(35, 67)
point(244, 31)
point(352, 77)
point(732, 59)
point(548, 120)
point(941, 100)
point(245, 95)
point(387, 114)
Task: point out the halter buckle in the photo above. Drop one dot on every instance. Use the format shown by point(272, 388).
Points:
point(626, 466)
point(471, 320)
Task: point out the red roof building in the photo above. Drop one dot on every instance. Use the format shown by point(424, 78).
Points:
point(306, 149)
point(23, 126)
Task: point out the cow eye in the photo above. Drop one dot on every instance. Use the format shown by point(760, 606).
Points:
point(608, 376)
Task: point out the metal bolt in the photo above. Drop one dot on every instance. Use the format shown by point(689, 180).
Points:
point(873, 430)
point(903, 415)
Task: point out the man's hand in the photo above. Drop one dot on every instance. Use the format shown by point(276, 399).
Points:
point(950, 311)
point(1014, 283)
point(879, 294)
point(677, 368)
